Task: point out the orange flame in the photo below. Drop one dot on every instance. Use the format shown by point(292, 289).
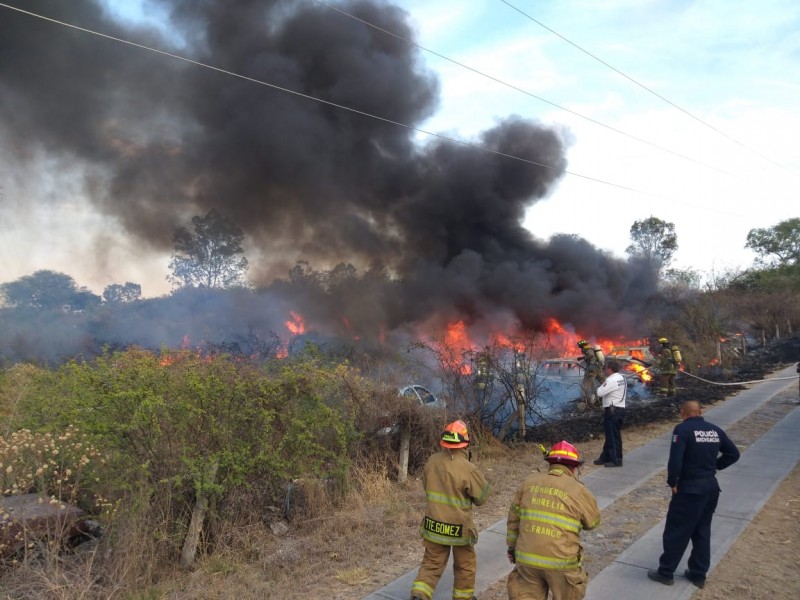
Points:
point(505, 341)
point(457, 339)
point(640, 370)
point(296, 325)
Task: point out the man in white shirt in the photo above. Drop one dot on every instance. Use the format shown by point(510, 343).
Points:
point(613, 392)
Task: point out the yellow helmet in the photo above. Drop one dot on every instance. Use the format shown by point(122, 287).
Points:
point(663, 341)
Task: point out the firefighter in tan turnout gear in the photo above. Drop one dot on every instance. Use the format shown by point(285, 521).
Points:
point(452, 485)
point(593, 375)
point(669, 362)
point(543, 529)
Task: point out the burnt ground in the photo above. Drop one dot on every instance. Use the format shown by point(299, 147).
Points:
point(580, 424)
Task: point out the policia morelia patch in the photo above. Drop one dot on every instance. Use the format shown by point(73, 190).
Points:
point(439, 528)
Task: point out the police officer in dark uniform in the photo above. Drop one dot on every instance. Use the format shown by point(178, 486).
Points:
point(698, 450)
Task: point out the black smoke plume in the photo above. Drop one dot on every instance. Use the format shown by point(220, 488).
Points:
point(158, 140)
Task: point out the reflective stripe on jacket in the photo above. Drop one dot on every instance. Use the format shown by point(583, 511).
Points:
point(452, 485)
point(547, 514)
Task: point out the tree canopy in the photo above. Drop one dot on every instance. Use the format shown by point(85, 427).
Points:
point(777, 245)
point(654, 242)
point(122, 293)
point(48, 290)
point(211, 256)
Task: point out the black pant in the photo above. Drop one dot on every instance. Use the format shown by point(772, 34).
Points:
point(689, 518)
point(612, 423)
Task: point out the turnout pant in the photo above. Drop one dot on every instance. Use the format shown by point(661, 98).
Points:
point(433, 564)
point(529, 583)
point(689, 519)
point(613, 418)
point(589, 384)
point(667, 383)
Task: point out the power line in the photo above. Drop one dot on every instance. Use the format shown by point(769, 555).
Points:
point(366, 114)
point(526, 92)
point(328, 102)
point(644, 87)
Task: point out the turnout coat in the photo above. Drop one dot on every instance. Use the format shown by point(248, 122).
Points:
point(452, 485)
point(547, 514)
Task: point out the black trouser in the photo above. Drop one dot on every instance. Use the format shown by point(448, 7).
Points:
point(612, 423)
point(689, 518)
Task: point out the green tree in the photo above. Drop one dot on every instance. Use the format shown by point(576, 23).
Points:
point(211, 256)
point(48, 290)
point(122, 293)
point(682, 278)
point(653, 242)
point(778, 245)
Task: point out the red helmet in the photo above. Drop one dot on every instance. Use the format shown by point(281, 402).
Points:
point(564, 453)
point(455, 435)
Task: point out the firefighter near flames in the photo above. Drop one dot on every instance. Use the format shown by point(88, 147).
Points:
point(547, 513)
point(592, 360)
point(452, 485)
point(669, 362)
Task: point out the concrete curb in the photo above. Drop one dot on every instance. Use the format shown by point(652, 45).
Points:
point(746, 487)
point(608, 485)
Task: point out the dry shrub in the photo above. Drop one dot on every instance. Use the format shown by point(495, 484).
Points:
point(310, 498)
point(383, 418)
point(64, 579)
point(333, 540)
point(135, 549)
point(370, 485)
point(483, 445)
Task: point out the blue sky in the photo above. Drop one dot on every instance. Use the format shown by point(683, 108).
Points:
point(734, 65)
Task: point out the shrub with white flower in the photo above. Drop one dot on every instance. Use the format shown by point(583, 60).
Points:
point(62, 466)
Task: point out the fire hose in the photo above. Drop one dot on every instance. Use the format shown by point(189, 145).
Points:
point(719, 382)
point(740, 382)
point(638, 373)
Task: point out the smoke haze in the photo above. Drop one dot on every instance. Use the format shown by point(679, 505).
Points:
point(155, 141)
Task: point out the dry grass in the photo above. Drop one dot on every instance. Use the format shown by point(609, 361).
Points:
point(338, 541)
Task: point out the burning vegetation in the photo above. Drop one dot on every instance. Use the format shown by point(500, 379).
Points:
point(405, 236)
point(263, 402)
